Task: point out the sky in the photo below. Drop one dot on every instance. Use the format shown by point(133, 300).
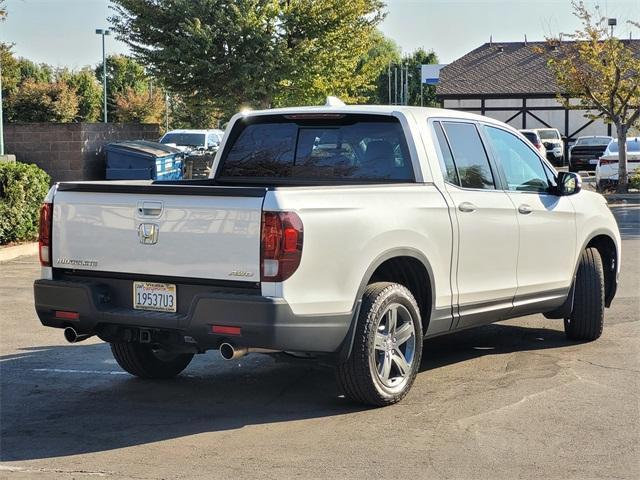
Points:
point(61, 32)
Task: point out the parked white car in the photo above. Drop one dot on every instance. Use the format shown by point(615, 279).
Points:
point(534, 138)
point(346, 233)
point(194, 141)
point(607, 168)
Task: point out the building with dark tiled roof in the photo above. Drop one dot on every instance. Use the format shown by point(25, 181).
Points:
point(511, 82)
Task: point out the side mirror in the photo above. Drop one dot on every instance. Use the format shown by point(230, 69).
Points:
point(563, 138)
point(569, 183)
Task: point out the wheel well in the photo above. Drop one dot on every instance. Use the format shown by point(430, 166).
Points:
point(607, 249)
point(411, 273)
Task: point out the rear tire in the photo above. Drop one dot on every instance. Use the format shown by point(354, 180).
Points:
point(387, 347)
point(142, 361)
point(587, 317)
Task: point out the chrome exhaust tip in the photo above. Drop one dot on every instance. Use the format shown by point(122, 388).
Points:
point(231, 352)
point(71, 336)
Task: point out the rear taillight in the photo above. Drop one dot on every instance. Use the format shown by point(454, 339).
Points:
point(281, 245)
point(604, 161)
point(44, 234)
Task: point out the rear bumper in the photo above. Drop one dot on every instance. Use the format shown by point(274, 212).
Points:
point(582, 163)
point(265, 322)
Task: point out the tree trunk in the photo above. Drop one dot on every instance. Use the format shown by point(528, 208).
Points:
point(623, 180)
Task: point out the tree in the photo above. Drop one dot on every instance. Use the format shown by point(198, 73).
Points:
point(414, 61)
point(32, 71)
point(10, 70)
point(193, 113)
point(42, 102)
point(415, 95)
point(383, 53)
point(88, 90)
point(139, 107)
point(123, 74)
point(603, 72)
point(256, 53)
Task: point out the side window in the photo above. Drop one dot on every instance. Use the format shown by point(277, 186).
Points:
point(212, 140)
point(447, 164)
point(469, 155)
point(522, 167)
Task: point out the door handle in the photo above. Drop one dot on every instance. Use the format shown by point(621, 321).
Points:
point(150, 209)
point(525, 209)
point(467, 207)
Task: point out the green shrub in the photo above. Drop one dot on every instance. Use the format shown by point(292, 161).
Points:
point(22, 190)
point(634, 180)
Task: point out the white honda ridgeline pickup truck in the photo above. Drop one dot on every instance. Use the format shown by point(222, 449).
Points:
point(350, 233)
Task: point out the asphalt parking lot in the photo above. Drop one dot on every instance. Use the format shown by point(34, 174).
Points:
point(511, 400)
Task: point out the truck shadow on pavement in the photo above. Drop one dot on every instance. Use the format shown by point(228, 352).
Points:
point(68, 400)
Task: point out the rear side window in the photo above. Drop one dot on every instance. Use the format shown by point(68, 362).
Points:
point(447, 165)
point(469, 155)
point(351, 148)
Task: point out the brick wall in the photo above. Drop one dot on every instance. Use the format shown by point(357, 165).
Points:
point(71, 151)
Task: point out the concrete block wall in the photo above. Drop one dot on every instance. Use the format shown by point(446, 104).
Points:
point(71, 151)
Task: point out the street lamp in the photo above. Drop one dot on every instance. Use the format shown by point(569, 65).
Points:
point(103, 32)
point(612, 22)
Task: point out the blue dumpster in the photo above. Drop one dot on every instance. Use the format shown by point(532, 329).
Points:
point(141, 160)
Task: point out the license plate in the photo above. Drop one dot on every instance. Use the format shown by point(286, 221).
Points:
point(159, 297)
point(593, 161)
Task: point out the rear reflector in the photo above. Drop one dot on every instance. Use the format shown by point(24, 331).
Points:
point(44, 234)
point(225, 330)
point(67, 315)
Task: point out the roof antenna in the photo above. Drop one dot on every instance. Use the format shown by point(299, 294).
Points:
point(490, 40)
point(525, 39)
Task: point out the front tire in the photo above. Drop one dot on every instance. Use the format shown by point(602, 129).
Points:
point(587, 317)
point(142, 361)
point(387, 347)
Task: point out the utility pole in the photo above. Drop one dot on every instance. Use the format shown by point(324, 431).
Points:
point(166, 106)
point(395, 78)
point(406, 81)
point(103, 32)
point(401, 84)
point(389, 81)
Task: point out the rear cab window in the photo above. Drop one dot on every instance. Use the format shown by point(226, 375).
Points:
point(308, 148)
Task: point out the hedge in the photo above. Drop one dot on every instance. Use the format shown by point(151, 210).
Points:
point(634, 180)
point(22, 190)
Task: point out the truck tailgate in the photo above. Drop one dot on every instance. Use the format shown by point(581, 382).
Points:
point(175, 231)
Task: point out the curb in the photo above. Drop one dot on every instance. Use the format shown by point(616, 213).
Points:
point(633, 198)
point(9, 253)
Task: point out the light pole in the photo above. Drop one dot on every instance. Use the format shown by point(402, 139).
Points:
point(612, 22)
point(103, 32)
